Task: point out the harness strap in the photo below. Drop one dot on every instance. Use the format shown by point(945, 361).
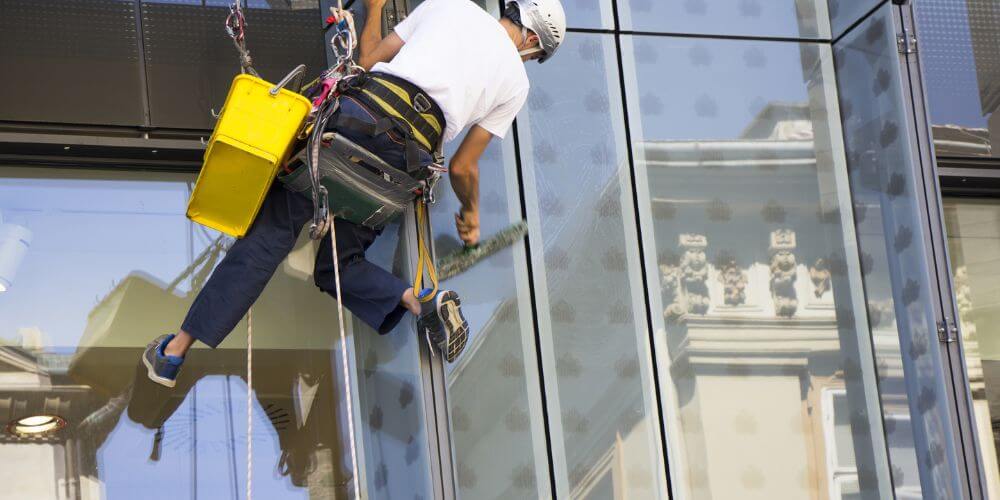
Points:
point(381, 126)
point(426, 132)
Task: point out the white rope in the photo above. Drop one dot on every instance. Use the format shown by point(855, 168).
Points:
point(250, 403)
point(343, 358)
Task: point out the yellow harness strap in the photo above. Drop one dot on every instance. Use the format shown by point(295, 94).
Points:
point(424, 259)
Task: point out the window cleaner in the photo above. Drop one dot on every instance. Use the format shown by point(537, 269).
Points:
point(373, 133)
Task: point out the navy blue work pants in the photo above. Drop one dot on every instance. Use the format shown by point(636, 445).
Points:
point(369, 292)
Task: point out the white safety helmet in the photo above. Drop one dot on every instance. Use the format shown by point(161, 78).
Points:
point(545, 18)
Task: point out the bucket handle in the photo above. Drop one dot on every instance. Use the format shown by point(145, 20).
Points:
point(295, 73)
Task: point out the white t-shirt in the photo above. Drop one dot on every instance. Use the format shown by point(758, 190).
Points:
point(463, 58)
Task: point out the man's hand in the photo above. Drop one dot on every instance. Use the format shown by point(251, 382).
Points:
point(467, 224)
point(464, 175)
point(371, 5)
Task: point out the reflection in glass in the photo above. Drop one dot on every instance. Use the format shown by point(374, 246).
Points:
point(885, 187)
point(775, 18)
point(113, 262)
point(764, 356)
point(493, 390)
point(961, 68)
point(390, 415)
point(973, 227)
point(587, 277)
point(844, 13)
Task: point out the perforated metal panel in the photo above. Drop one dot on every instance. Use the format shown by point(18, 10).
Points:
point(69, 61)
point(190, 60)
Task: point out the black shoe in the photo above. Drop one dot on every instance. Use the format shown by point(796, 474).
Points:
point(161, 368)
point(444, 325)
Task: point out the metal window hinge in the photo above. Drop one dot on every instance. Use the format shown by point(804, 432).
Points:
point(906, 43)
point(947, 331)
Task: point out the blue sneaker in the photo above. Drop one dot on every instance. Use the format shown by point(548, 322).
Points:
point(442, 322)
point(160, 367)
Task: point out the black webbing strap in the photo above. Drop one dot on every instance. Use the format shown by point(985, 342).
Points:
point(406, 109)
point(381, 126)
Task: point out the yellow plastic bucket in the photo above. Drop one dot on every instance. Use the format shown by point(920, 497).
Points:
point(253, 136)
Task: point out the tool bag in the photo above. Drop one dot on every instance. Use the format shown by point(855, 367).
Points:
point(362, 188)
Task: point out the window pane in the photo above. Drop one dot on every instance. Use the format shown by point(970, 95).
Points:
point(493, 388)
point(844, 13)
point(392, 416)
point(776, 18)
point(93, 266)
point(961, 68)
point(70, 62)
point(186, 47)
point(757, 298)
point(974, 247)
point(587, 274)
point(885, 190)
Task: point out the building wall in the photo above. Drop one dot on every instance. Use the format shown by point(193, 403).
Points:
point(714, 299)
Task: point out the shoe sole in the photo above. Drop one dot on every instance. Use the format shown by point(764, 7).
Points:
point(456, 328)
point(151, 373)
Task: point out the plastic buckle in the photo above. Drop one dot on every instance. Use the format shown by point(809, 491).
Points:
point(421, 103)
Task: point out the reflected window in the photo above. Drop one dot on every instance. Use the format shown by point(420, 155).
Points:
point(973, 227)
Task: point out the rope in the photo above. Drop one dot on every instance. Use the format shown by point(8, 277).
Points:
point(343, 358)
point(250, 403)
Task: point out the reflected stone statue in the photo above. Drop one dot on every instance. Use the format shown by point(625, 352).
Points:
point(783, 272)
point(734, 281)
point(819, 273)
point(670, 276)
point(694, 272)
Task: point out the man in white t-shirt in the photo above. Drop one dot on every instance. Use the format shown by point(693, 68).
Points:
point(472, 66)
point(446, 67)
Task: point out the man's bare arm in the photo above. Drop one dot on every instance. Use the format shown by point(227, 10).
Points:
point(373, 48)
point(464, 175)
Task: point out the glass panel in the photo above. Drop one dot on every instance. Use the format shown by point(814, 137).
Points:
point(186, 47)
point(844, 13)
point(497, 428)
point(757, 298)
point(973, 227)
point(587, 274)
point(961, 69)
point(885, 187)
point(94, 265)
point(774, 18)
point(596, 14)
point(70, 62)
point(392, 411)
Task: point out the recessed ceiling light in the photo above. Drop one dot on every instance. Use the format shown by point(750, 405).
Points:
point(36, 425)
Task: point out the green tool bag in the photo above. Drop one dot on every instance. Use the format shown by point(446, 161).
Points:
point(362, 188)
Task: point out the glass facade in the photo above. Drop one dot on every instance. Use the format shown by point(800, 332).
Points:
point(727, 289)
point(758, 318)
point(974, 246)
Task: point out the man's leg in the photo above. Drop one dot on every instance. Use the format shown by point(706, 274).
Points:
point(371, 293)
point(244, 272)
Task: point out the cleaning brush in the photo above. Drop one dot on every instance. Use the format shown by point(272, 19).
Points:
point(459, 261)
